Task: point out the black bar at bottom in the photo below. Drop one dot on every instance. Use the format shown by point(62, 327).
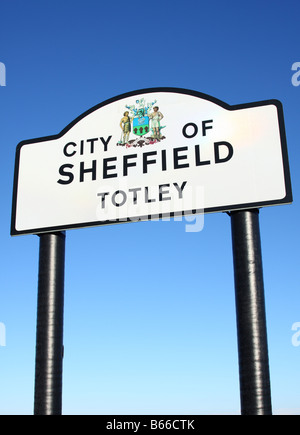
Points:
point(250, 311)
point(49, 334)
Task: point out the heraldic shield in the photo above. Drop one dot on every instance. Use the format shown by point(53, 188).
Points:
point(140, 125)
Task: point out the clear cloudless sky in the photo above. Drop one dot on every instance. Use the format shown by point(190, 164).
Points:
point(150, 325)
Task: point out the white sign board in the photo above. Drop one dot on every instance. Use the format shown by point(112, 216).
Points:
point(148, 154)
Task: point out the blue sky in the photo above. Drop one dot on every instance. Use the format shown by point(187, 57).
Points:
point(149, 307)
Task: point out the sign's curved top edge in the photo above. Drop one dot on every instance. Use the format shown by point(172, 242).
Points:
point(174, 90)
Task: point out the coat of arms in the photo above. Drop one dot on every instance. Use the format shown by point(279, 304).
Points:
point(141, 119)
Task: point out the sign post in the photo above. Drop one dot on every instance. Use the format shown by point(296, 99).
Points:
point(49, 334)
point(250, 311)
point(151, 154)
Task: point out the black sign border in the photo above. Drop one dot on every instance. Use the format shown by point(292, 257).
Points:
point(288, 199)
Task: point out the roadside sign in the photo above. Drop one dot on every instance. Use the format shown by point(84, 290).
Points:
point(149, 154)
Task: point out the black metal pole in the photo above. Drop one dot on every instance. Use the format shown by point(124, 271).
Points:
point(49, 334)
point(250, 311)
